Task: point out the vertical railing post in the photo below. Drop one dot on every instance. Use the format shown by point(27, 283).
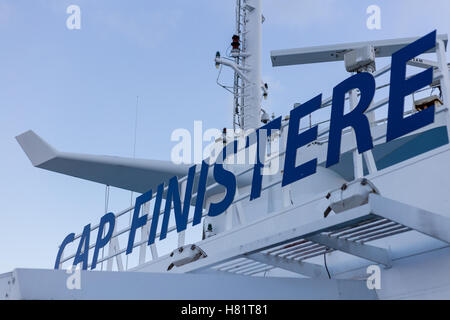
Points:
point(357, 157)
point(445, 80)
point(442, 63)
point(60, 260)
point(285, 191)
point(182, 234)
point(145, 231)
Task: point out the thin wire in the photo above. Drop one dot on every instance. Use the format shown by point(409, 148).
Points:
point(326, 265)
point(135, 127)
point(221, 85)
point(134, 156)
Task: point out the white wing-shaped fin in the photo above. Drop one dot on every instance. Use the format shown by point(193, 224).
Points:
point(36, 149)
point(130, 174)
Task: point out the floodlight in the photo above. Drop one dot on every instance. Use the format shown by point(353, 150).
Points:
point(360, 59)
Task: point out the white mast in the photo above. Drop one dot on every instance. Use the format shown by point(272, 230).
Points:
point(253, 47)
point(246, 54)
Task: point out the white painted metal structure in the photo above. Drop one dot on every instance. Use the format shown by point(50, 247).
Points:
point(49, 284)
point(248, 87)
point(319, 54)
point(403, 226)
point(253, 47)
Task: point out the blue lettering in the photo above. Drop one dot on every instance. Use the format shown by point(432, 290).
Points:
point(296, 141)
point(261, 151)
point(173, 195)
point(201, 190)
point(138, 222)
point(156, 211)
point(101, 242)
point(63, 245)
point(228, 180)
point(82, 254)
point(400, 88)
point(365, 82)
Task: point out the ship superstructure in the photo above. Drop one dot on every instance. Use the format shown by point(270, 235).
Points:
point(320, 237)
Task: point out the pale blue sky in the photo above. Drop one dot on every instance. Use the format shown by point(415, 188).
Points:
point(77, 89)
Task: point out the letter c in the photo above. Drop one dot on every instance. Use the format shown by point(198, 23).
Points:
point(70, 238)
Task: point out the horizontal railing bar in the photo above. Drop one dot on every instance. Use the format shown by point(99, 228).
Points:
point(282, 250)
point(369, 230)
point(390, 234)
point(256, 267)
point(313, 255)
point(310, 250)
point(304, 250)
point(228, 263)
point(372, 234)
point(265, 269)
point(284, 246)
point(363, 228)
point(338, 233)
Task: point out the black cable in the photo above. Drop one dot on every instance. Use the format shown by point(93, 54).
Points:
point(326, 266)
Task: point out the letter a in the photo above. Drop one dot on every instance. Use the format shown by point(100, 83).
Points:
point(74, 20)
point(374, 20)
point(74, 281)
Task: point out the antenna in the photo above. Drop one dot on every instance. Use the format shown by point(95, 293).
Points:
point(134, 156)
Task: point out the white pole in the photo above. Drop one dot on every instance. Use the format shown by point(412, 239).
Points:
point(253, 42)
point(445, 81)
point(182, 234)
point(145, 231)
point(357, 157)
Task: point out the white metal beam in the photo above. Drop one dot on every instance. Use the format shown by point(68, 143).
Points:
point(431, 224)
point(145, 231)
point(423, 63)
point(329, 53)
point(357, 157)
point(365, 251)
point(114, 248)
point(443, 67)
point(34, 284)
point(255, 244)
point(304, 268)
